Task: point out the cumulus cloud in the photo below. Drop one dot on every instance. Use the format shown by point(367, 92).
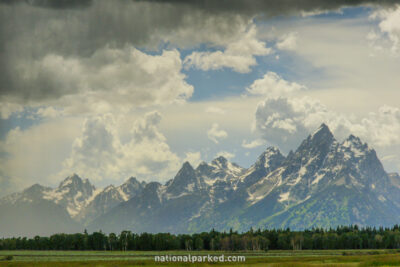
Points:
point(389, 26)
point(238, 55)
point(253, 144)
point(96, 149)
point(272, 85)
point(99, 153)
point(284, 122)
point(288, 41)
point(215, 134)
point(117, 76)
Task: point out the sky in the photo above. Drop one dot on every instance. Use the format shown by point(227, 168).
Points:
point(114, 89)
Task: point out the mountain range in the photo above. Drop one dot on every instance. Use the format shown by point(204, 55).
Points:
point(323, 183)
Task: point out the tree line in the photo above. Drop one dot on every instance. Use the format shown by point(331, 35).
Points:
point(343, 237)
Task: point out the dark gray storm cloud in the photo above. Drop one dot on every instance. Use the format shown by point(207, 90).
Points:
point(57, 4)
point(273, 7)
point(33, 29)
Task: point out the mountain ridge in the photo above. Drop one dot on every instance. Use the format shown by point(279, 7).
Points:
point(323, 183)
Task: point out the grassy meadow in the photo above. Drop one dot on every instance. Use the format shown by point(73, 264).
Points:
point(146, 258)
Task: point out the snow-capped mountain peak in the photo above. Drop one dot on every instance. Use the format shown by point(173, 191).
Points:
point(186, 180)
point(220, 162)
point(269, 159)
point(71, 180)
point(321, 132)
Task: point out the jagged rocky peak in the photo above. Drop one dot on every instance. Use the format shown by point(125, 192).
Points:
point(75, 182)
point(109, 188)
point(267, 162)
point(322, 138)
point(204, 168)
point(221, 162)
point(185, 180)
point(223, 165)
point(322, 132)
point(355, 144)
point(270, 159)
point(151, 188)
point(357, 152)
point(186, 171)
point(33, 192)
point(35, 189)
point(72, 180)
point(131, 187)
point(354, 139)
point(316, 145)
point(132, 180)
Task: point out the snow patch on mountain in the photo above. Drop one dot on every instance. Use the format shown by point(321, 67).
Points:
point(284, 197)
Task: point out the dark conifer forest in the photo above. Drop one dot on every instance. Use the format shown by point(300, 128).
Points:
point(344, 237)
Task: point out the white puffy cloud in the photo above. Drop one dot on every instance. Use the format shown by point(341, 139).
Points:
point(147, 128)
point(95, 151)
point(284, 122)
point(100, 154)
point(389, 25)
point(272, 85)
point(238, 55)
point(288, 41)
point(215, 134)
point(253, 144)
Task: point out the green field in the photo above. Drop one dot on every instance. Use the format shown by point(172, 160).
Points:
point(146, 258)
